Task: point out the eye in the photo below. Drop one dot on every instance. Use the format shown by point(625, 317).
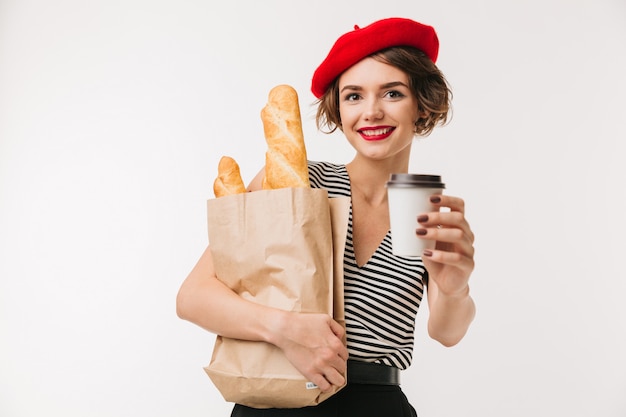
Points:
point(351, 97)
point(394, 94)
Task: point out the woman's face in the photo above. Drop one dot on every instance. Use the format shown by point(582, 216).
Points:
point(378, 111)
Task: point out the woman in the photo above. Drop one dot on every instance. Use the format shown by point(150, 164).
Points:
point(379, 85)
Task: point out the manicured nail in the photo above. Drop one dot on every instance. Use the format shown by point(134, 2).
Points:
point(435, 199)
point(421, 232)
point(428, 253)
point(422, 218)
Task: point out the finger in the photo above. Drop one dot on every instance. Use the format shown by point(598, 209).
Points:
point(334, 378)
point(451, 202)
point(339, 331)
point(343, 354)
point(340, 364)
point(331, 368)
point(444, 218)
point(334, 369)
point(459, 242)
point(464, 263)
point(451, 221)
point(321, 382)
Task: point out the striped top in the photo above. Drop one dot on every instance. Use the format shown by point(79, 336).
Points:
point(381, 297)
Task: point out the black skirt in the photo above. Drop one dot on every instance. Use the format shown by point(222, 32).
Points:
point(358, 400)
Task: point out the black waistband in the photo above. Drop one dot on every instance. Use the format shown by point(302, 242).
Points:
point(372, 373)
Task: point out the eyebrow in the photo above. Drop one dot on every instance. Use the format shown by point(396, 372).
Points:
point(387, 85)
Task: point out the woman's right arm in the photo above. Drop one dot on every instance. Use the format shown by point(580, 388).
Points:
point(207, 302)
point(311, 342)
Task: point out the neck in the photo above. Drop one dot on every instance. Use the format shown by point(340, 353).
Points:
point(371, 176)
point(368, 183)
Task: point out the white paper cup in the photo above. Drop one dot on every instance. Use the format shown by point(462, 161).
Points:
point(409, 196)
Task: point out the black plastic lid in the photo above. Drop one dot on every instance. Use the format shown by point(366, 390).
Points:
point(415, 181)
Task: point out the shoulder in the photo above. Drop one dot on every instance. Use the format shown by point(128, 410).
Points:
point(322, 168)
point(330, 176)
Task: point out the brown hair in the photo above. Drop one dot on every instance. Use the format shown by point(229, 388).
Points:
point(426, 82)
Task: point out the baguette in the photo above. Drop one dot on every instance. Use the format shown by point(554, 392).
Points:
point(228, 180)
point(285, 159)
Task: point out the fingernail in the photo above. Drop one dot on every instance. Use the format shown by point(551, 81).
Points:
point(421, 232)
point(427, 252)
point(435, 199)
point(423, 218)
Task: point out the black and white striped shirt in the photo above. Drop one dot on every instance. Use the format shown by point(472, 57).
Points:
point(381, 297)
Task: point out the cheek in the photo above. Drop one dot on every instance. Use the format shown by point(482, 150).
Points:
point(345, 115)
point(412, 115)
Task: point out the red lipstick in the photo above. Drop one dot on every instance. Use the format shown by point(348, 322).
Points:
point(375, 133)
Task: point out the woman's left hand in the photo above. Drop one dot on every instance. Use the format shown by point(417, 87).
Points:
point(451, 263)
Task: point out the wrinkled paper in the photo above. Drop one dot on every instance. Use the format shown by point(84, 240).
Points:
point(281, 248)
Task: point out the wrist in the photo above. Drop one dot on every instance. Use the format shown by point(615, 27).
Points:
point(458, 294)
point(275, 326)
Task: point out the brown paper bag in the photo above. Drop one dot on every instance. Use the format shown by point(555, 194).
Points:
point(282, 248)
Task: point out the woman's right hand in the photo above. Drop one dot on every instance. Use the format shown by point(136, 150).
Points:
point(313, 343)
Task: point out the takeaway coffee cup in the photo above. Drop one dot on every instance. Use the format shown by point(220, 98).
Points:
point(409, 196)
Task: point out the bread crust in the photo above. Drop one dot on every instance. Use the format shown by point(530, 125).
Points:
point(285, 159)
point(228, 179)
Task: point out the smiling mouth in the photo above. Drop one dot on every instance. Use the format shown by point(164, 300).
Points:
point(376, 133)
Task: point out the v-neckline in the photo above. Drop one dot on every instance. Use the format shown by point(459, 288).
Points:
point(380, 242)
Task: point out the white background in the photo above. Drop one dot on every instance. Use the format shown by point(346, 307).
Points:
point(114, 114)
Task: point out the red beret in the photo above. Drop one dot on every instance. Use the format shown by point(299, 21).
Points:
point(353, 46)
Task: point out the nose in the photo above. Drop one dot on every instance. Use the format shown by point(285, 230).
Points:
point(373, 111)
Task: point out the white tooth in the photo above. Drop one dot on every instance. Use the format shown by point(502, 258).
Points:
point(376, 132)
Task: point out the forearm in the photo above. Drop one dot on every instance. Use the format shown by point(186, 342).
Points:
point(311, 342)
point(450, 317)
point(207, 302)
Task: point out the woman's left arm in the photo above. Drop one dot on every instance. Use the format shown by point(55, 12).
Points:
point(449, 267)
